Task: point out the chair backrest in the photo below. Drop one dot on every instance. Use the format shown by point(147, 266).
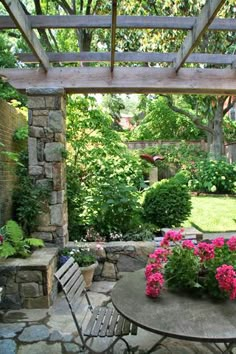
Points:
point(72, 282)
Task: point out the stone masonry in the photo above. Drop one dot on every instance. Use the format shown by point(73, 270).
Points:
point(29, 283)
point(46, 146)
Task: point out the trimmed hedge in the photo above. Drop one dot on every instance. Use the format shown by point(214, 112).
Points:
point(167, 203)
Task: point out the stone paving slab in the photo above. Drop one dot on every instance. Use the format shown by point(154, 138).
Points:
point(53, 332)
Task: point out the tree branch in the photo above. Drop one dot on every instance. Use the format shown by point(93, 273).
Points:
point(195, 119)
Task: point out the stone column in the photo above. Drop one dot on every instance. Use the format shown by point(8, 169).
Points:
point(46, 146)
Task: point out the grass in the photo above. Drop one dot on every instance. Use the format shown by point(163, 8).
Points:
point(213, 214)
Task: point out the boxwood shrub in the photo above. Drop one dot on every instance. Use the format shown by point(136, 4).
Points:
point(167, 203)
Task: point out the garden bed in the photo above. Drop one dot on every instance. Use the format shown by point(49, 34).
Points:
point(29, 283)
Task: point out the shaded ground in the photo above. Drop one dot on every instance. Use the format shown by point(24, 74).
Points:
point(52, 331)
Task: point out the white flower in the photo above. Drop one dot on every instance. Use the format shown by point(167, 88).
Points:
point(223, 177)
point(213, 189)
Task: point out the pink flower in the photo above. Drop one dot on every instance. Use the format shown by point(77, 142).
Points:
point(226, 277)
point(1, 238)
point(218, 242)
point(205, 251)
point(164, 243)
point(99, 247)
point(160, 255)
point(173, 235)
point(232, 243)
point(151, 269)
point(188, 244)
point(154, 284)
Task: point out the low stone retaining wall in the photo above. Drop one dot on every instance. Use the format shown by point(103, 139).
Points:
point(29, 283)
point(117, 257)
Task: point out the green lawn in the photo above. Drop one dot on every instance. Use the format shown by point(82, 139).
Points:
point(213, 214)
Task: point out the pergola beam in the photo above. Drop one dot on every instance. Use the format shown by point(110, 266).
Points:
point(113, 33)
point(195, 58)
point(126, 80)
point(22, 22)
point(201, 25)
point(145, 22)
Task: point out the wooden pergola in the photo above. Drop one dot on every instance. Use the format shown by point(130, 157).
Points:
point(126, 79)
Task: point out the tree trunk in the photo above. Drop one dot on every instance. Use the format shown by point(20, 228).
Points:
point(217, 142)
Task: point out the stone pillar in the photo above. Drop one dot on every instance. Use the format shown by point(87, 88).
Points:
point(46, 146)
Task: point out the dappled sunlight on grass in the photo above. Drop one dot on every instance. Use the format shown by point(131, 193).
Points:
point(213, 214)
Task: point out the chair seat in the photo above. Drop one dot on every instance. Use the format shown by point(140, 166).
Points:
point(107, 322)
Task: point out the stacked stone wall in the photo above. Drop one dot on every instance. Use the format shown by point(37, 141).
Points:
point(10, 121)
point(29, 283)
point(46, 160)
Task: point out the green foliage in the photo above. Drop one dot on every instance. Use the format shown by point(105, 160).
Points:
point(28, 198)
point(229, 127)
point(181, 270)
point(82, 255)
point(160, 122)
point(140, 234)
point(213, 176)
point(7, 60)
point(103, 176)
point(21, 133)
point(14, 243)
point(177, 157)
point(167, 203)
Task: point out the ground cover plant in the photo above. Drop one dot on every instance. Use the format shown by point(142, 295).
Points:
point(212, 213)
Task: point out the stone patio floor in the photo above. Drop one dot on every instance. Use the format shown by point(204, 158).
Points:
point(52, 331)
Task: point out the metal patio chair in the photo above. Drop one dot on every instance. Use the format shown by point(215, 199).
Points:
point(104, 321)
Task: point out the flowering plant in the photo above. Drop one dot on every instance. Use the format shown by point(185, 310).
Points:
point(82, 255)
point(206, 268)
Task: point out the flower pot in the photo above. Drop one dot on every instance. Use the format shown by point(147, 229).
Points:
point(63, 260)
point(88, 273)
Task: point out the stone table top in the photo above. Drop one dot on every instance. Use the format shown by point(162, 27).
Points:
point(175, 315)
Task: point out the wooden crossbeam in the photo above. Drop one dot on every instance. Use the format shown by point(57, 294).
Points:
point(22, 22)
point(126, 80)
point(214, 59)
point(145, 22)
point(202, 23)
point(113, 33)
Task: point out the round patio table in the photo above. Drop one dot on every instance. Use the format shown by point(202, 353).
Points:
point(175, 315)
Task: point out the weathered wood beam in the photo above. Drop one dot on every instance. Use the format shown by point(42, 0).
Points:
point(126, 80)
point(22, 22)
point(113, 33)
point(202, 23)
point(214, 59)
point(158, 22)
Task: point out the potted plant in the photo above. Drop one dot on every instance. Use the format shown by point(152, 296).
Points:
point(207, 268)
point(86, 260)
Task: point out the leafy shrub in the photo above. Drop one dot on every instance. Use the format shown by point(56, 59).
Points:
point(14, 243)
point(103, 177)
point(167, 203)
point(141, 234)
point(214, 176)
point(28, 198)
